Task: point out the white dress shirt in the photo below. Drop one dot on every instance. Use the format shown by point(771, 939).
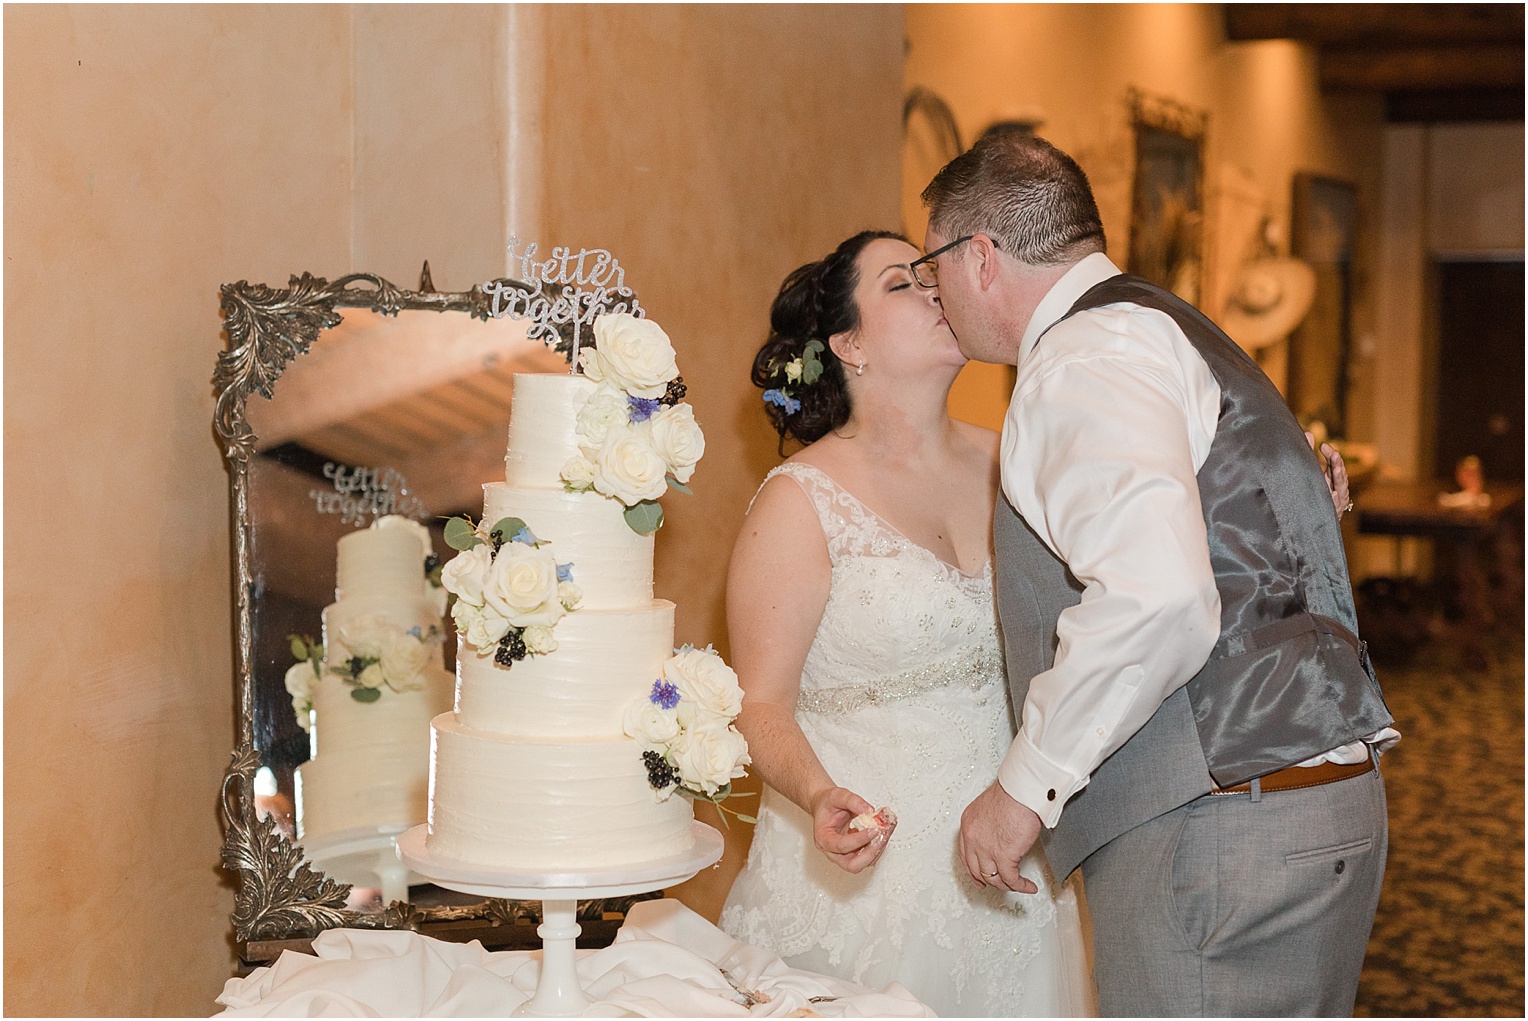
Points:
point(1110, 421)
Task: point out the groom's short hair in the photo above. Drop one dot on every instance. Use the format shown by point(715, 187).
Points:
point(1031, 198)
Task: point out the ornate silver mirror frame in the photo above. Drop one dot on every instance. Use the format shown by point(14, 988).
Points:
point(280, 895)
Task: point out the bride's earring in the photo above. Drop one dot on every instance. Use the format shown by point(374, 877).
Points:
point(859, 370)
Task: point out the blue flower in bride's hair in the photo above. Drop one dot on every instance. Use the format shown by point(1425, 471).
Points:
point(783, 399)
point(642, 408)
point(665, 695)
point(564, 572)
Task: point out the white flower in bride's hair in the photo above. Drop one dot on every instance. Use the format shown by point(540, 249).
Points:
point(678, 439)
point(606, 407)
point(628, 468)
point(709, 755)
point(632, 354)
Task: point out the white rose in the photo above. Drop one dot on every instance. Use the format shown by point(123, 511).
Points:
point(606, 407)
point(539, 640)
point(299, 681)
point(710, 755)
point(651, 725)
point(403, 662)
point(522, 586)
point(569, 594)
point(372, 677)
point(420, 532)
point(706, 683)
point(367, 636)
point(628, 468)
point(578, 473)
point(465, 573)
point(484, 630)
point(678, 440)
point(633, 354)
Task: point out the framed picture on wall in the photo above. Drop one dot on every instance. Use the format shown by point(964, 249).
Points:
point(1324, 219)
point(1167, 194)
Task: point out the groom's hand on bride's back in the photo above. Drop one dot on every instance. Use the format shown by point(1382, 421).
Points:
point(995, 832)
point(852, 850)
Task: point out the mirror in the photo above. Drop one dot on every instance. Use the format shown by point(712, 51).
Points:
point(1167, 194)
point(395, 409)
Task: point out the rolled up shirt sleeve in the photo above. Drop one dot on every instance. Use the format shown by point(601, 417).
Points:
point(1099, 456)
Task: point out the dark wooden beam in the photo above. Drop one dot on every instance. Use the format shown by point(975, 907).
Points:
point(1422, 68)
point(1376, 24)
point(1454, 106)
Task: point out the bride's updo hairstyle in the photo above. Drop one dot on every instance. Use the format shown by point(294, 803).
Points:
point(815, 302)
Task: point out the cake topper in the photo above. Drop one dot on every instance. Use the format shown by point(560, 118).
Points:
point(566, 289)
point(361, 492)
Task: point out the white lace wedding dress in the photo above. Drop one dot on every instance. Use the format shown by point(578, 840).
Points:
point(904, 700)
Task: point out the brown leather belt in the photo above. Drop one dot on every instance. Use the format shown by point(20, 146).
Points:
point(1292, 778)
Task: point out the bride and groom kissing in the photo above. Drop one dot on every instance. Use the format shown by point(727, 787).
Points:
point(1109, 655)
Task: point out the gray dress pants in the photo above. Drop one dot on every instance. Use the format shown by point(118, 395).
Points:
point(1240, 905)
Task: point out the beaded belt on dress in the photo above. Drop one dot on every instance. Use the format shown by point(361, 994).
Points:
point(975, 668)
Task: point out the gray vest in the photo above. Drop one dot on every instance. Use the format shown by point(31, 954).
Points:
point(1288, 679)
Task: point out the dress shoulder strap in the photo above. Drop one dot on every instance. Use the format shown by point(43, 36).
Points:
point(846, 523)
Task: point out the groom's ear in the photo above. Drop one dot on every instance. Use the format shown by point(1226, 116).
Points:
point(985, 253)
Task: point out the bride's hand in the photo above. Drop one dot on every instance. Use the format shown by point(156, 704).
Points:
point(1336, 473)
point(851, 850)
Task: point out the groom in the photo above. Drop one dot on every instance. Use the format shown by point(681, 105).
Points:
point(1198, 722)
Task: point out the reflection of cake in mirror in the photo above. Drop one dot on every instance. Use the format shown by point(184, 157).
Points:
point(368, 693)
point(561, 643)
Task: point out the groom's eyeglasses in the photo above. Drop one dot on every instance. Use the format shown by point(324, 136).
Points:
point(926, 271)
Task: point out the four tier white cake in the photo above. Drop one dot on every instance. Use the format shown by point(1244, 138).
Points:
point(533, 769)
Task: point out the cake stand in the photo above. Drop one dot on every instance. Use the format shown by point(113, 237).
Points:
point(351, 856)
point(558, 993)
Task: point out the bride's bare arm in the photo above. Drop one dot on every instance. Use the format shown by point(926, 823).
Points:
point(777, 589)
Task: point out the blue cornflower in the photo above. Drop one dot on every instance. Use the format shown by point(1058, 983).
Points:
point(525, 536)
point(642, 408)
point(564, 572)
point(665, 695)
point(783, 399)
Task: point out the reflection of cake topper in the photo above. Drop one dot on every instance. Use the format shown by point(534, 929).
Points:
point(365, 492)
point(567, 289)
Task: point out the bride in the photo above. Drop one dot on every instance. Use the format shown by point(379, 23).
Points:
point(860, 612)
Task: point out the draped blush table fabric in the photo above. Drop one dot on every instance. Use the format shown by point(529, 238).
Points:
point(666, 961)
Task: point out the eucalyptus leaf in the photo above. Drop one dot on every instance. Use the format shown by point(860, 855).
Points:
point(747, 818)
point(645, 518)
point(365, 694)
point(811, 366)
point(299, 647)
point(460, 534)
point(506, 528)
point(676, 484)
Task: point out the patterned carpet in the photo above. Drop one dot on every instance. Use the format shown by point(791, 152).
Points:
point(1448, 939)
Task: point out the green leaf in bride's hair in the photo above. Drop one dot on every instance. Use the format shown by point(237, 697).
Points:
point(645, 518)
point(811, 366)
point(299, 647)
point(460, 535)
point(365, 694)
point(507, 529)
point(676, 484)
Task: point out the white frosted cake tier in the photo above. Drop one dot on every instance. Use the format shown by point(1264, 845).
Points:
point(604, 660)
point(370, 764)
point(543, 417)
point(385, 562)
point(513, 803)
point(611, 564)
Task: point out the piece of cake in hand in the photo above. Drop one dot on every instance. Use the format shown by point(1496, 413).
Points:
point(883, 819)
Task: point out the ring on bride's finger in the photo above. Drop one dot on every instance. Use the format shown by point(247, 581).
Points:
point(989, 875)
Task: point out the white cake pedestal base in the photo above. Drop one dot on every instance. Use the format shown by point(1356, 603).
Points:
point(558, 993)
point(355, 856)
